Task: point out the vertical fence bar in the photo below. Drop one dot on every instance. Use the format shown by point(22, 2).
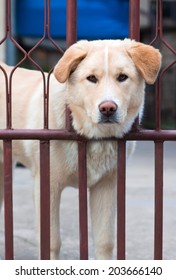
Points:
point(71, 24)
point(71, 38)
point(158, 85)
point(45, 163)
point(83, 221)
point(134, 31)
point(158, 105)
point(8, 200)
point(9, 88)
point(46, 86)
point(134, 15)
point(158, 238)
point(121, 199)
point(7, 146)
point(45, 200)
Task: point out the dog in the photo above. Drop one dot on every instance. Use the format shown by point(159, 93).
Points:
point(103, 84)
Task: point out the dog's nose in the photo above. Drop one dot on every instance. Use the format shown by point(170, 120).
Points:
point(108, 108)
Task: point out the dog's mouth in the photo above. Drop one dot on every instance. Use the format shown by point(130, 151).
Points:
point(108, 119)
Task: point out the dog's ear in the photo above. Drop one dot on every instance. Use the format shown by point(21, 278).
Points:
point(70, 60)
point(147, 60)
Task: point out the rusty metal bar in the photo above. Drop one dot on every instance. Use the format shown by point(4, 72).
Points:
point(152, 135)
point(8, 92)
point(159, 33)
point(134, 31)
point(158, 105)
point(54, 134)
point(71, 24)
point(46, 89)
point(158, 240)
point(45, 200)
point(134, 15)
point(8, 200)
point(83, 223)
point(121, 199)
point(71, 38)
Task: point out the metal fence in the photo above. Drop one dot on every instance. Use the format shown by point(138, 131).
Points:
point(158, 136)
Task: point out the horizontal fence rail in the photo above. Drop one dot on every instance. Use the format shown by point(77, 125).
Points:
point(52, 134)
point(45, 135)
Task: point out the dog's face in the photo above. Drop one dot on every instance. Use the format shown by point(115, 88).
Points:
point(106, 80)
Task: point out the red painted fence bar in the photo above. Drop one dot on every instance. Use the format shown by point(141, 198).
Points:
point(134, 16)
point(83, 219)
point(134, 32)
point(158, 238)
point(8, 200)
point(71, 24)
point(44, 200)
point(71, 38)
point(121, 200)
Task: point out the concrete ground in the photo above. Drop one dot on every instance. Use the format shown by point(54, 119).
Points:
point(140, 210)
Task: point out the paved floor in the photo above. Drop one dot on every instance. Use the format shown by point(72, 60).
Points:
point(140, 210)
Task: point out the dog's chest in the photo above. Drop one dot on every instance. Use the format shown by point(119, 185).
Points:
point(101, 160)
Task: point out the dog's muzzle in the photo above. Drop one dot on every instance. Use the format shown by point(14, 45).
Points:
point(108, 112)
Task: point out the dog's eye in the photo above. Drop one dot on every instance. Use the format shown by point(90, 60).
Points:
point(92, 79)
point(122, 77)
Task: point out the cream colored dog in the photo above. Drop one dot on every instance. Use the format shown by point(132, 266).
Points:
point(103, 84)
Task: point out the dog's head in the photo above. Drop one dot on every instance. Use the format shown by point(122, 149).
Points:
point(105, 82)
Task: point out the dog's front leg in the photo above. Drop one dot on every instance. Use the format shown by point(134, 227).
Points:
point(55, 240)
point(102, 205)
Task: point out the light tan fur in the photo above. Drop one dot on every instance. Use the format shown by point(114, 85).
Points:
point(106, 60)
